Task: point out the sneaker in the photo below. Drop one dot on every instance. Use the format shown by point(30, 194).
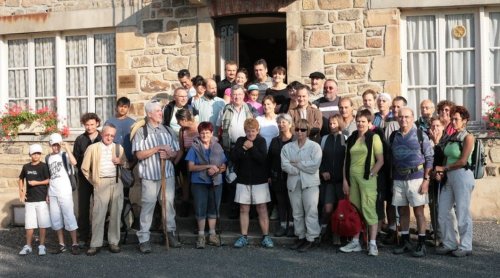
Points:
point(298, 243)
point(61, 249)
point(308, 246)
point(145, 247)
point(172, 240)
point(351, 247)
point(443, 250)
point(75, 249)
point(114, 248)
point(280, 232)
point(26, 250)
point(372, 250)
point(200, 243)
point(267, 242)
point(241, 242)
point(419, 251)
point(214, 240)
point(461, 253)
point(42, 251)
point(403, 248)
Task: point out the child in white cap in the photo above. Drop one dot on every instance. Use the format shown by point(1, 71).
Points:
point(34, 194)
point(61, 194)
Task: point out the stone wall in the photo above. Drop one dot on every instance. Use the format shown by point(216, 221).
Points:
point(22, 7)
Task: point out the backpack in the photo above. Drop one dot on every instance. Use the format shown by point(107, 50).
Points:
point(478, 158)
point(69, 169)
point(420, 136)
point(346, 220)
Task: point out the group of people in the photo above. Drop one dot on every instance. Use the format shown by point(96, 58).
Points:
point(291, 148)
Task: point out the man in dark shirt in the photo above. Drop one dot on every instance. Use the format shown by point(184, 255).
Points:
point(85, 190)
point(230, 69)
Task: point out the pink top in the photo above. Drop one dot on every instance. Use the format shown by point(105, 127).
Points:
point(188, 136)
point(257, 106)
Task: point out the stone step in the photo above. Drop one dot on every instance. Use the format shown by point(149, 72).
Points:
point(226, 225)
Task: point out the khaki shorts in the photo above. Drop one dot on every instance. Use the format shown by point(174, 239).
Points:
point(252, 194)
point(406, 193)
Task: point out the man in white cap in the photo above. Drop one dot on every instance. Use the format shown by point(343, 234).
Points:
point(384, 108)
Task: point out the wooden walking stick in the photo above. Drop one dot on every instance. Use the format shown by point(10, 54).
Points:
point(164, 200)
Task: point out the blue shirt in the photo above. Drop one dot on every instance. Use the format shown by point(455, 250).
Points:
point(122, 136)
point(191, 156)
point(378, 120)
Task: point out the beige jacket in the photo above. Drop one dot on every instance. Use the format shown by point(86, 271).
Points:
point(91, 160)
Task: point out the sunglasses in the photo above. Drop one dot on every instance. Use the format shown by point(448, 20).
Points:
point(300, 129)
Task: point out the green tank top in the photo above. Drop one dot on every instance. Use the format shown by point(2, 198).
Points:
point(452, 150)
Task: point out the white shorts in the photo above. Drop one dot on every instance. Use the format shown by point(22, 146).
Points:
point(252, 194)
point(62, 213)
point(406, 193)
point(36, 215)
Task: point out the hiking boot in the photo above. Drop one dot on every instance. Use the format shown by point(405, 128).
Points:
point(419, 251)
point(461, 253)
point(114, 248)
point(390, 238)
point(443, 250)
point(280, 232)
point(267, 242)
point(172, 240)
point(75, 249)
point(42, 251)
point(351, 247)
point(92, 251)
point(403, 248)
point(145, 247)
point(290, 231)
point(26, 250)
point(200, 242)
point(307, 246)
point(298, 243)
point(372, 250)
point(242, 241)
point(214, 240)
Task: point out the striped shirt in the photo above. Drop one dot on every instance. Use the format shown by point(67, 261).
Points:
point(107, 169)
point(149, 168)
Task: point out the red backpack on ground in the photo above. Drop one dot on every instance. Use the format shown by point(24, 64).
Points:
point(346, 220)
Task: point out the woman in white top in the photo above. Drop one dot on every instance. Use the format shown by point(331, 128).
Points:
point(267, 122)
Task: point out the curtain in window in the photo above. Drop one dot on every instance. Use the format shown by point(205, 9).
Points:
point(105, 75)
point(45, 89)
point(460, 62)
point(18, 72)
point(76, 79)
point(421, 60)
point(495, 54)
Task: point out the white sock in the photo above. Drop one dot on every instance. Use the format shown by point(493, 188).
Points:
point(392, 227)
point(201, 233)
point(373, 242)
point(355, 240)
point(405, 232)
point(212, 232)
point(283, 224)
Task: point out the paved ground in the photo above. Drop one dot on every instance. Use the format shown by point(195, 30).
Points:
point(251, 261)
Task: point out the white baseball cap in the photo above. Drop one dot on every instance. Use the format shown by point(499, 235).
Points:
point(55, 138)
point(35, 148)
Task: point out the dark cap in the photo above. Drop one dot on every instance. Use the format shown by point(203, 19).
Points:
point(317, 74)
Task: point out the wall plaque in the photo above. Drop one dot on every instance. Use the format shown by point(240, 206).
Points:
point(126, 81)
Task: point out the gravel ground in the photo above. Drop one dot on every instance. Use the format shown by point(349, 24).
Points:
point(251, 261)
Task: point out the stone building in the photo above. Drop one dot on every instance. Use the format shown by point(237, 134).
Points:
point(81, 55)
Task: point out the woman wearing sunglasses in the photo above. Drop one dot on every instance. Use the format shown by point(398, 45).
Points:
point(301, 160)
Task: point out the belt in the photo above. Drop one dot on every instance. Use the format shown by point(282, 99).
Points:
point(409, 171)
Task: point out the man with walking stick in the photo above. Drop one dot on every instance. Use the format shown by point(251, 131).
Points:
point(152, 143)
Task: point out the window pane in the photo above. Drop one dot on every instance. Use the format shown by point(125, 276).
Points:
point(415, 97)
point(44, 70)
point(422, 68)
point(494, 29)
point(495, 66)
point(457, 23)
point(104, 107)
point(18, 71)
point(105, 75)
point(18, 84)
point(76, 50)
point(104, 49)
point(44, 52)
point(75, 108)
point(465, 97)
point(105, 80)
point(460, 68)
point(18, 53)
point(421, 32)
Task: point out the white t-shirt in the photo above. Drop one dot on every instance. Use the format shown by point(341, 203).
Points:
point(59, 184)
point(268, 129)
point(236, 129)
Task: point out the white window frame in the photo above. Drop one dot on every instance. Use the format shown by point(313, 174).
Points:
point(60, 70)
point(482, 74)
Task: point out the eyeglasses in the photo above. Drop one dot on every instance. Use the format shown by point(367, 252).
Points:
point(455, 119)
point(300, 129)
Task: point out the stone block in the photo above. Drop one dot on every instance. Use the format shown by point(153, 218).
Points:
point(159, 60)
point(185, 12)
point(381, 17)
point(391, 41)
point(12, 3)
point(333, 16)
point(313, 18)
point(336, 57)
point(334, 4)
point(165, 12)
point(170, 75)
point(141, 62)
point(338, 40)
point(308, 4)
point(359, 3)
point(188, 30)
point(319, 39)
point(392, 87)
point(351, 71)
point(354, 41)
point(172, 25)
point(174, 51)
point(373, 32)
point(385, 68)
point(13, 150)
point(188, 50)
point(491, 171)
point(365, 86)
point(362, 60)
point(129, 40)
point(10, 172)
point(152, 51)
point(343, 28)
point(366, 52)
point(151, 40)
point(168, 38)
point(121, 60)
point(152, 83)
point(494, 155)
point(311, 60)
point(177, 63)
point(351, 14)
point(293, 64)
point(292, 39)
point(358, 26)
point(329, 71)
point(206, 32)
point(374, 42)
